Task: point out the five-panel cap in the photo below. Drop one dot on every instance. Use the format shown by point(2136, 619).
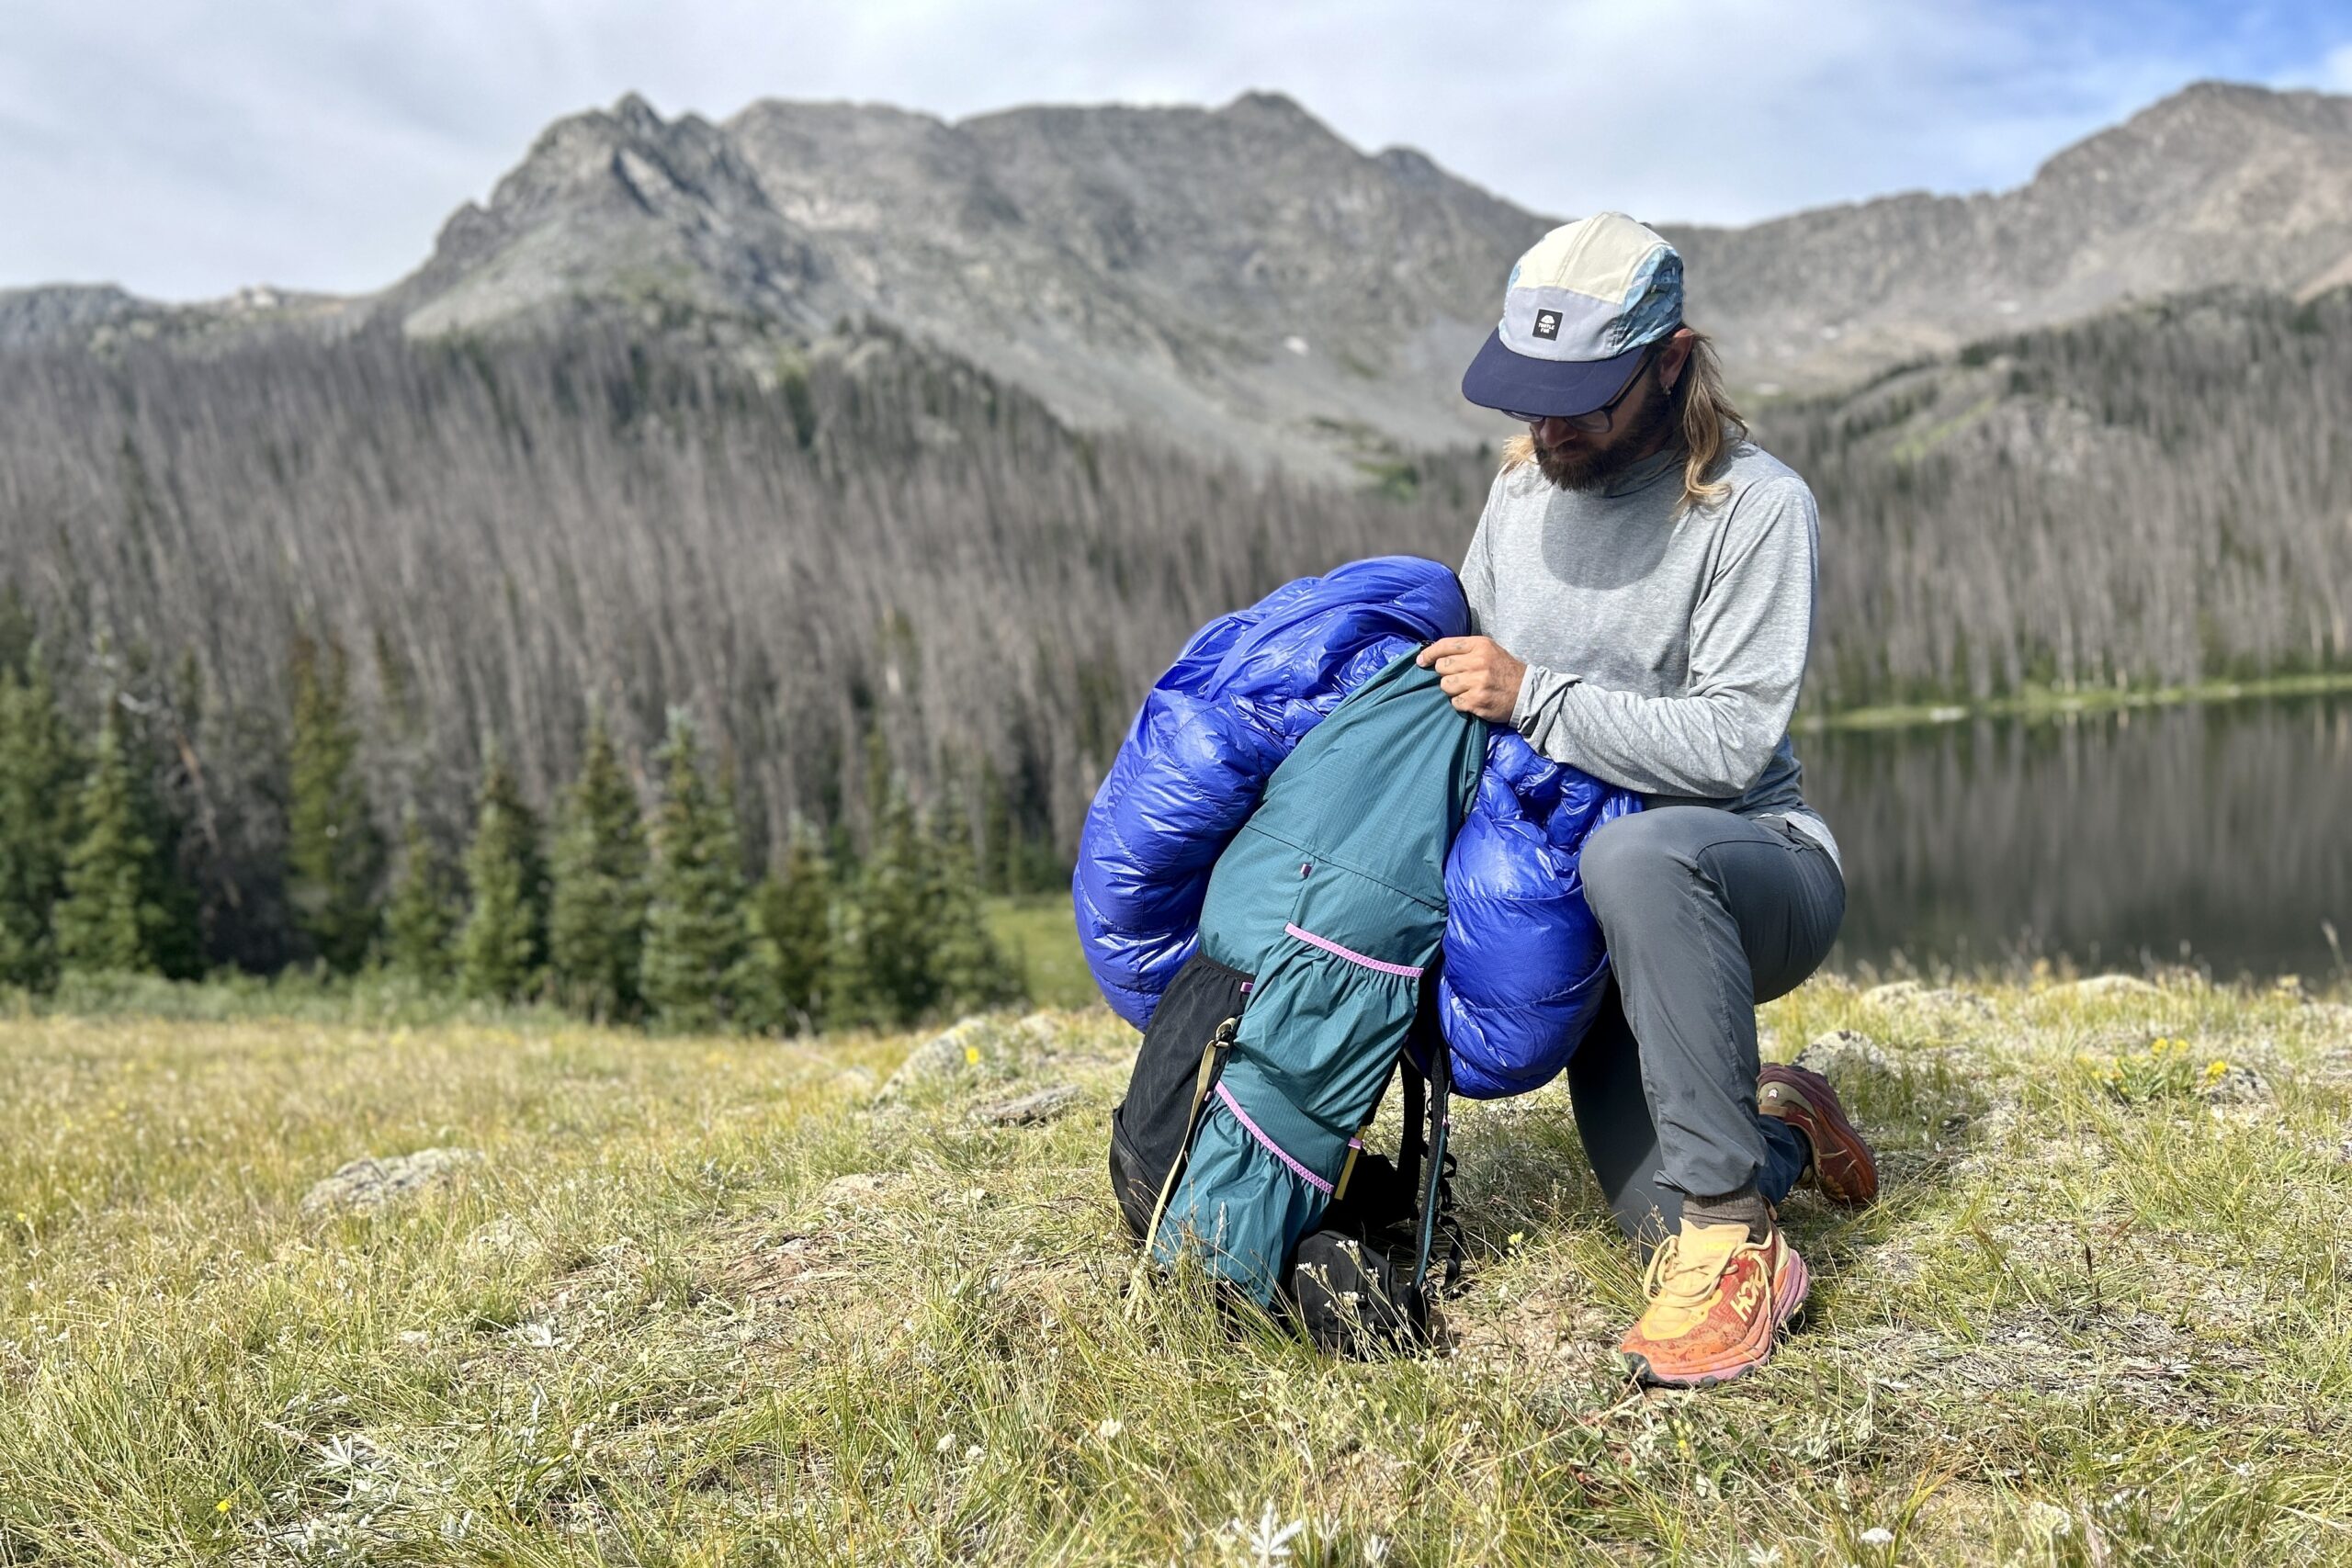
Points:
point(1578, 310)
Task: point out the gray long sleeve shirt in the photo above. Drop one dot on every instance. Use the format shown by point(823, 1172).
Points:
point(1664, 646)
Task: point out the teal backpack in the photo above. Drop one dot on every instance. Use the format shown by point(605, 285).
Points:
point(1242, 1135)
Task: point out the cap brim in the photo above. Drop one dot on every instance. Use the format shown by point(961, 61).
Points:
point(1498, 378)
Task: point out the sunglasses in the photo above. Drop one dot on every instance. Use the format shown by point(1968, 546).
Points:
point(1599, 419)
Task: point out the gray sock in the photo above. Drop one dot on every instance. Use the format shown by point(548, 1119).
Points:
point(1744, 1207)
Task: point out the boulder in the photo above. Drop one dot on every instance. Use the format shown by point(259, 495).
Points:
point(365, 1185)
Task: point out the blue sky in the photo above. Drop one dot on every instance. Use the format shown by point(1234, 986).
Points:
point(183, 148)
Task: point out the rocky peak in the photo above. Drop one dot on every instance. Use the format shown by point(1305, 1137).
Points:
point(1244, 276)
point(669, 216)
point(633, 153)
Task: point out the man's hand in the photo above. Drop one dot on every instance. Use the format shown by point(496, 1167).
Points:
point(1477, 674)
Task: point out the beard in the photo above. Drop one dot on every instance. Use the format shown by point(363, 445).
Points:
point(1584, 465)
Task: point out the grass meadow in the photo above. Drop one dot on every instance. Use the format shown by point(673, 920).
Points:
point(721, 1300)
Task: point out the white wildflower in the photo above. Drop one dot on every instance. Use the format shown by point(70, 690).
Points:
point(1267, 1542)
point(946, 1444)
point(342, 1453)
point(974, 1452)
point(1109, 1428)
point(1878, 1535)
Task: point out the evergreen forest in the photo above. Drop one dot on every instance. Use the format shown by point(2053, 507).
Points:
point(714, 690)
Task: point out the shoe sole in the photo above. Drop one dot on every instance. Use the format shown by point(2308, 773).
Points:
point(1787, 1297)
point(1849, 1149)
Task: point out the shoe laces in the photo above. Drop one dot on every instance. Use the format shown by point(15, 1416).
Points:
point(1678, 1281)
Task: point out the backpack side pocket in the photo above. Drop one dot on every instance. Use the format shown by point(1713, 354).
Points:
point(1179, 1064)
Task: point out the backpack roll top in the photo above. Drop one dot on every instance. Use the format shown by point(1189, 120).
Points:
point(1213, 730)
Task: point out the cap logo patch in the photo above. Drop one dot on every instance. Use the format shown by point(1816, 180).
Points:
point(1547, 325)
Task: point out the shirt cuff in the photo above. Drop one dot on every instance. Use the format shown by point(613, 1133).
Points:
point(1537, 688)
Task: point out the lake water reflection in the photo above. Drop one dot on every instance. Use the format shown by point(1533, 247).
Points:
point(2110, 838)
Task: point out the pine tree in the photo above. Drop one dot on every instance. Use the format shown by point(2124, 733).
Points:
point(970, 969)
point(504, 937)
point(698, 927)
point(891, 930)
point(37, 785)
point(596, 921)
point(112, 918)
point(846, 990)
point(999, 865)
point(795, 913)
point(755, 986)
point(420, 918)
point(333, 853)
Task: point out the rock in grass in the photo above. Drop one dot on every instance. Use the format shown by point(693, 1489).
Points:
point(943, 1058)
point(1915, 999)
point(2238, 1085)
point(1029, 1108)
point(365, 1185)
point(1844, 1054)
point(503, 1237)
point(859, 1190)
point(2110, 986)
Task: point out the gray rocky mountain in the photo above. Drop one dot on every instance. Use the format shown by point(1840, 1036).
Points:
point(1244, 277)
point(2218, 185)
point(1239, 275)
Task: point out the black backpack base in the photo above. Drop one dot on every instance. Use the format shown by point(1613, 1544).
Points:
point(1361, 1285)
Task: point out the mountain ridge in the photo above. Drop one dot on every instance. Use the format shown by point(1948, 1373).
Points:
point(1243, 276)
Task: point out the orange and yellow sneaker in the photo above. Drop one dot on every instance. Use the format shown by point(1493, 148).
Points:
point(1843, 1167)
point(1718, 1300)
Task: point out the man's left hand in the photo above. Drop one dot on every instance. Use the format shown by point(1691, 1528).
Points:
point(1477, 674)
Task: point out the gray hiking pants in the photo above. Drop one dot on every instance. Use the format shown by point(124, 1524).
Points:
point(1706, 914)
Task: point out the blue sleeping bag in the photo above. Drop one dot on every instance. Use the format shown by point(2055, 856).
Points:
point(1525, 966)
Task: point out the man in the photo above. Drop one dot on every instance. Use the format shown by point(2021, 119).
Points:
point(1642, 580)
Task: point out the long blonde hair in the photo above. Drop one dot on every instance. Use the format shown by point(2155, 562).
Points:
point(1702, 411)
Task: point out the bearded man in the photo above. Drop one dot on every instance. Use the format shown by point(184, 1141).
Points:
point(1643, 585)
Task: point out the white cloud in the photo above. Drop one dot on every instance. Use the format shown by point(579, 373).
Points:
point(185, 147)
point(2335, 70)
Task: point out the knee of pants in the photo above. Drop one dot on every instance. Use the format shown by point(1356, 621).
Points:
point(1626, 860)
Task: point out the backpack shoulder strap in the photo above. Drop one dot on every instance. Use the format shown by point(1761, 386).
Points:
point(1436, 1189)
point(1414, 1141)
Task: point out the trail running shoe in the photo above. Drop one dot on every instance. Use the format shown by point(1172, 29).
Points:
point(1843, 1167)
point(1718, 1300)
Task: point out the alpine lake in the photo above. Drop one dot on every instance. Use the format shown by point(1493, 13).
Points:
point(2217, 835)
